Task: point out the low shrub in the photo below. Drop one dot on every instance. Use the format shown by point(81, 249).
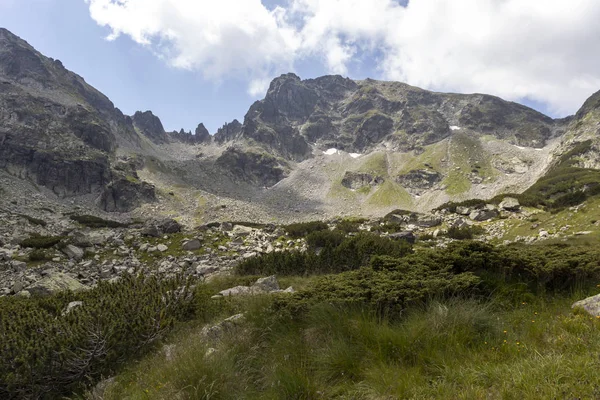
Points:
point(336, 253)
point(97, 222)
point(47, 352)
point(467, 232)
point(39, 255)
point(32, 220)
point(41, 242)
point(302, 229)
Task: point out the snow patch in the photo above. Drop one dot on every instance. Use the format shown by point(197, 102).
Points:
point(455, 128)
point(519, 147)
point(330, 152)
point(355, 155)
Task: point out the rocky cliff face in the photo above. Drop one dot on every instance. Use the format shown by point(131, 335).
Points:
point(55, 129)
point(361, 116)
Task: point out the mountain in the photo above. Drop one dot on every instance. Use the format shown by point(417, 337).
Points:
point(311, 148)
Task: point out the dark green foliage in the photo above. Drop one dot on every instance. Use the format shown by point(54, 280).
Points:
point(255, 225)
point(39, 255)
point(451, 206)
point(348, 226)
point(467, 232)
point(41, 242)
point(390, 284)
point(326, 238)
point(302, 229)
point(97, 222)
point(335, 254)
point(32, 220)
point(47, 353)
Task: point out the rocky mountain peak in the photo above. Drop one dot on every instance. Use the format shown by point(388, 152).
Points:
point(150, 126)
point(201, 133)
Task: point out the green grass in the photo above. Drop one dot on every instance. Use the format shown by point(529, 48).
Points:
point(390, 194)
point(375, 164)
point(454, 349)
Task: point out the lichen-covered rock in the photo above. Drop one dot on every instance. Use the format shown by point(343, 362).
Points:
point(510, 204)
point(590, 304)
point(53, 283)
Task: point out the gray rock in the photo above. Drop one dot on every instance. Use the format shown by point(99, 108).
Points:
point(71, 306)
point(268, 284)
point(191, 245)
point(73, 252)
point(53, 283)
point(240, 230)
point(217, 331)
point(510, 204)
point(483, 215)
point(406, 235)
point(162, 248)
point(590, 304)
point(463, 210)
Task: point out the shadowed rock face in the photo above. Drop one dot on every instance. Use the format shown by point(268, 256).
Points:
point(150, 126)
point(357, 180)
point(254, 167)
point(228, 132)
point(55, 129)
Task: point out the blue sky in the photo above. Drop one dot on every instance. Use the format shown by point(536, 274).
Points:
point(192, 61)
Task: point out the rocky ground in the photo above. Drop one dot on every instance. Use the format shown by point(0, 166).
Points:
point(81, 256)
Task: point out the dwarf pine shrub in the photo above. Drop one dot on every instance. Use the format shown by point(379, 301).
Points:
point(47, 352)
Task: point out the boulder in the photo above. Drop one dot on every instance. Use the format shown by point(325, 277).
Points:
point(157, 228)
point(73, 252)
point(483, 215)
point(216, 332)
point(168, 225)
point(590, 304)
point(241, 230)
point(191, 245)
point(406, 235)
point(510, 204)
point(268, 284)
point(55, 282)
point(463, 210)
point(162, 248)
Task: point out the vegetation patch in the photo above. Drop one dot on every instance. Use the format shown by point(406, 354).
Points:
point(302, 229)
point(42, 242)
point(97, 222)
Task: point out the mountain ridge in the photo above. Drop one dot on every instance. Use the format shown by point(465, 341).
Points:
point(310, 147)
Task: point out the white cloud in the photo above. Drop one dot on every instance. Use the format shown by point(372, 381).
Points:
point(541, 50)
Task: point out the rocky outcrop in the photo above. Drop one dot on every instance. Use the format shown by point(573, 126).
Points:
point(357, 180)
point(150, 126)
point(259, 168)
point(418, 180)
point(228, 131)
point(126, 194)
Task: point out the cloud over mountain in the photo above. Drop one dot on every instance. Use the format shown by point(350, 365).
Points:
point(518, 49)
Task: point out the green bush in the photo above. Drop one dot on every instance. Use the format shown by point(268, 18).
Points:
point(336, 254)
point(97, 222)
point(348, 226)
point(467, 232)
point(326, 238)
point(39, 255)
point(47, 353)
point(302, 229)
point(41, 242)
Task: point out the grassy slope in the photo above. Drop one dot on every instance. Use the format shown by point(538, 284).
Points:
point(457, 350)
